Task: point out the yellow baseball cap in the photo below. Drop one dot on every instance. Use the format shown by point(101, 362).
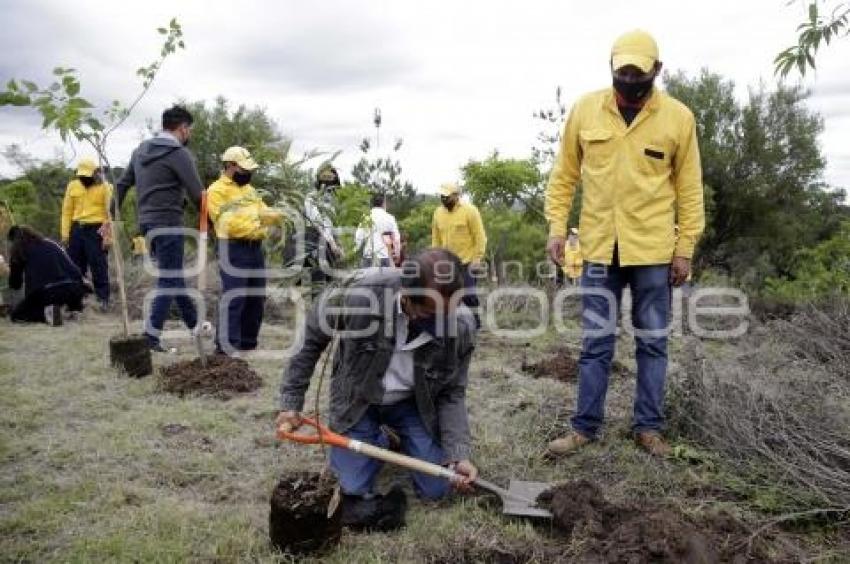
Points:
point(240, 156)
point(448, 188)
point(636, 48)
point(86, 167)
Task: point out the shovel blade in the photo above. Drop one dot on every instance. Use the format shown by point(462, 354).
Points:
point(523, 496)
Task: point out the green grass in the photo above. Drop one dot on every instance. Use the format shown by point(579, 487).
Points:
point(87, 473)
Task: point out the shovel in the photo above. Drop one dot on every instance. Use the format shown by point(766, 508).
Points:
point(518, 499)
point(202, 273)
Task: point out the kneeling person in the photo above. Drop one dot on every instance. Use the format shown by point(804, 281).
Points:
point(241, 221)
point(408, 373)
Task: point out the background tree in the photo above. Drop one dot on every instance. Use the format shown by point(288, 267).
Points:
point(763, 169)
point(383, 172)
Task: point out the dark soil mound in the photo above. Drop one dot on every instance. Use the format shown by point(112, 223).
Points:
point(648, 532)
point(562, 365)
point(223, 377)
point(305, 513)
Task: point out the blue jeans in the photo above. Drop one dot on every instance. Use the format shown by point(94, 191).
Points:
point(86, 250)
point(470, 299)
point(244, 312)
point(650, 286)
point(357, 473)
point(167, 251)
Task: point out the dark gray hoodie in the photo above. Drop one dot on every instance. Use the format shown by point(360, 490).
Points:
point(163, 172)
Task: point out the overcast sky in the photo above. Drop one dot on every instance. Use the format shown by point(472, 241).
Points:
point(456, 80)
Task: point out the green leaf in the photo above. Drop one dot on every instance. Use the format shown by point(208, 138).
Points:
point(161, 30)
point(58, 71)
point(30, 85)
point(72, 88)
point(813, 12)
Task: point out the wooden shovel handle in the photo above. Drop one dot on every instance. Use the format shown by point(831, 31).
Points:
point(326, 436)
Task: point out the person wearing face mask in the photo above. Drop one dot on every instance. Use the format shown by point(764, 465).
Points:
point(321, 251)
point(405, 368)
point(634, 150)
point(164, 173)
point(457, 226)
point(241, 220)
point(85, 211)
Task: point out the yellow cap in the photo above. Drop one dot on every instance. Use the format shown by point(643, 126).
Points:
point(448, 188)
point(86, 167)
point(240, 156)
point(636, 48)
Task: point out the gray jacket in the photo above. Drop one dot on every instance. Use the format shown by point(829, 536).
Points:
point(163, 172)
point(441, 366)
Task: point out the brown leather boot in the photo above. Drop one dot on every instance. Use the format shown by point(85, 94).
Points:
point(567, 445)
point(651, 442)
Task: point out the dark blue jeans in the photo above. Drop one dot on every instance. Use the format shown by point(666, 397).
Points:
point(357, 473)
point(239, 323)
point(86, 250)
point(167, 251)
point(650, 287)
point(470, 298)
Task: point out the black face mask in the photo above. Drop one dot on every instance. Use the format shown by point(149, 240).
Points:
point(633, 92)
point(86, 181)
point(448, 202)
point(241, 178)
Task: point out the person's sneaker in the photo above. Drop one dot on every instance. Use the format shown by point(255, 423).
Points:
point(103, 306)
point(567, 445)
point(651, 442)
point(53, 315)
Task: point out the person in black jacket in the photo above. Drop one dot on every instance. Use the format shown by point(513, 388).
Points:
point(164, 173)
point(49, 278)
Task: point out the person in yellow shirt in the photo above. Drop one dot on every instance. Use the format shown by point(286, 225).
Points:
point(84, 215)
point(634, 149)
point(241, 221)
point(572, 257)
point(457, 227)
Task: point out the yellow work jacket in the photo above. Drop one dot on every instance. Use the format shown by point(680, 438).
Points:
point(637, 180)
point(461, 231)
point(84, 205)
point(238, 212)
point(573, 261)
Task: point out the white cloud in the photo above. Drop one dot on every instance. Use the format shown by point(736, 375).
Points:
point(454, 79)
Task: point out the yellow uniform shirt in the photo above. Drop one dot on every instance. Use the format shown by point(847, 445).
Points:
point(461, 231)
point(84, 205)
point(573, 261)
point(238, 212)
point(637, 180)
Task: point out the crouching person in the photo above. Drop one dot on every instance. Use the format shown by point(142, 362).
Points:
point(49, 278)
point(400, 370)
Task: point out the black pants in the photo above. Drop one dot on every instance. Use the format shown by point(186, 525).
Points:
point(239, 324)
point(31, 308)
point(87, 252)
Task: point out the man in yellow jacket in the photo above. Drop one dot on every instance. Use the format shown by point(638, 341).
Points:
point(241, 220)
point(457, 226)
point(84, 213)
point(634, 149)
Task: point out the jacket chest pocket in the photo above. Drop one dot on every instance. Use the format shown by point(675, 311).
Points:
point(597, 146)
point(654, 158)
